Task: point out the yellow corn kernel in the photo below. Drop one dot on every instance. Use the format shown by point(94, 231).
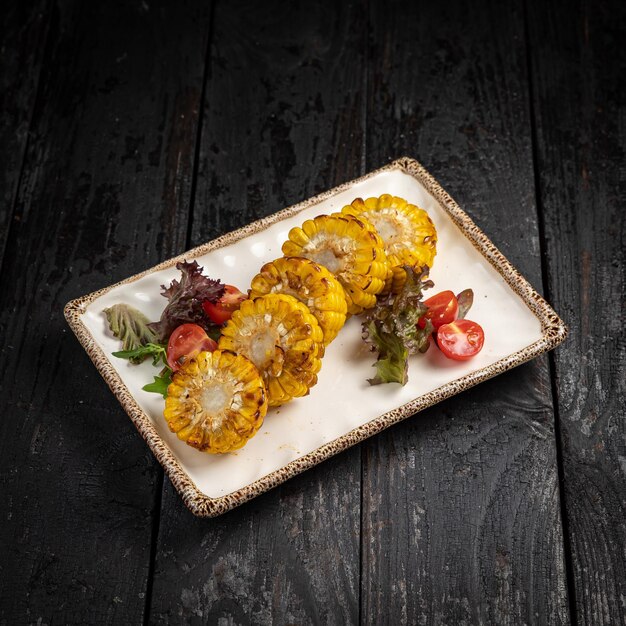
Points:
point(350, 249)
point(282, 338)
point(407, 231)
point(311, 284)
point(216, 401)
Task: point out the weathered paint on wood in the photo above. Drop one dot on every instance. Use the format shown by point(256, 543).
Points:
point(104, 193)
point(578, 69)
point(23, 31)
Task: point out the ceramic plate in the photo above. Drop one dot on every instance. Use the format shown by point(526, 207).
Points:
point(343, 408)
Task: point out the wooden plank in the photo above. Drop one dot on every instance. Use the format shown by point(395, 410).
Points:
point(461, 518)
point(105, 193)
point(579, 64)
point(23, 30)
point(283, 120)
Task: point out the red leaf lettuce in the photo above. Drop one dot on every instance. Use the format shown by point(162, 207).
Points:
point(391, 328)
point(185, 300)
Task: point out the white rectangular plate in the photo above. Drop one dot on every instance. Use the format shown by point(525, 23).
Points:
point(343, 408)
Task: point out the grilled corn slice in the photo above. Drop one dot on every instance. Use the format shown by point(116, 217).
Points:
point(216, 401)
point(408, 233)
point(350, 249)
point(308, 282)
point(282, 338)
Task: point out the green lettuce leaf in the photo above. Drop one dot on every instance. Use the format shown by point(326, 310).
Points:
point(157, 351)
point(160, 383)
point(392, 329)
point(392, 363)
point(131, 326)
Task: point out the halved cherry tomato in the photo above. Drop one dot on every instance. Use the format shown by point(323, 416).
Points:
point(224, 308)
point(442, 309)
point(187, 341)
point(460, 340)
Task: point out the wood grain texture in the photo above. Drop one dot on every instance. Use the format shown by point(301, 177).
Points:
point(578, 68)
point(104, 193)
point(461, 521)
point(23, 30)
point(283, 121)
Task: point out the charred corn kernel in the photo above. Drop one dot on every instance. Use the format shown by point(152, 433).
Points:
point(350, 249)
point(216, 401)
point(311, 284)
point(284, 341)
point(408, 233)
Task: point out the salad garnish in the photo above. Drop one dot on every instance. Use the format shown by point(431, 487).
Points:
point(460, 340)
point(392, 329)
point(182, 331)
point(132, 327)
point(465, 300)
point(185, 301)
point(402, 325)
point(137, 355)
point(160, 383)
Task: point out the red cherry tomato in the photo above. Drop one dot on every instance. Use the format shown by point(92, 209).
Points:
point(187, 341)
point(223, 309)
point(460, 340)
point(442, 309)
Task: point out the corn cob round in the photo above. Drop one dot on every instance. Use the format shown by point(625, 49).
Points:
point(282, 338)
point(347, 247)
point(311, 284)
point(216, 401)
point(407, 231)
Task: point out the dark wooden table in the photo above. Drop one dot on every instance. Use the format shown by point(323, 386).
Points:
point(133, 130)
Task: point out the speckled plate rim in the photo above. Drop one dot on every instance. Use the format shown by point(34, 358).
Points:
point(554, 332)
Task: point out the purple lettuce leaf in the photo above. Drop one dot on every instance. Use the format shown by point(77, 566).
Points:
point(465, 300)
point(185, 298)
